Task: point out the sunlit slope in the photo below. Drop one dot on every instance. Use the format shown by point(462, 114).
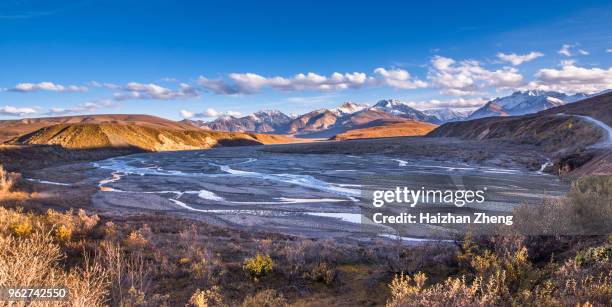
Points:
point(409, 128)
point(107, 135)
point(12, 128)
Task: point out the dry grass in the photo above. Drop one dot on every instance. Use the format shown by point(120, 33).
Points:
point(560, 257)
point(586, 210)
point(33, 255)
point(509, 280)
point(7, 184)
point(268, 298)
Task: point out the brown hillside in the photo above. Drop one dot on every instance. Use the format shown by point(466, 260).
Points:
point(409, 128)
point(12, 128)
point(108, 135)
point(276, 138)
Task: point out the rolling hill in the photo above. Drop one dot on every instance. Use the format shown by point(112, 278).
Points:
point(139, 132)
point(409, 128)
point(13, 128)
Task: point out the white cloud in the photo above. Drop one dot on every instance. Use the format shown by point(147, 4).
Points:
point(516, 59)
point(208, 113)
point(107, 85)
point(468, 78)
point(458, 103)
point(609, 50)
point(135, 90)
point(571, 50)
point(251, 83)
point(15, 111)
point(89, 106)
point(573, 79)
point(47, 86)
point(565, 50)
point(399, 78)
point(186, 114)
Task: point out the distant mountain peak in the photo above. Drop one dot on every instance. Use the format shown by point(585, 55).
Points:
point(525, 102)
point(348, 108)
point(269, 112)
point(401, 109)
point(448, 114)
point(389, 103)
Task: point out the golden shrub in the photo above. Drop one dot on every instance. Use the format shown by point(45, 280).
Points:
point(259, 265)
point(135, 240)
point(23, 228)
point(206, 298)
point(63, 233)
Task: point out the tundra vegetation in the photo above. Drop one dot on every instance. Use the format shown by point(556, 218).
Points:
point(163, 260)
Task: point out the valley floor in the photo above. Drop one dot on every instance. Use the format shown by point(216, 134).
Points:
point(146, 206)
point(317, 190)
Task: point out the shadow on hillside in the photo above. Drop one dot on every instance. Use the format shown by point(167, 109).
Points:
point(26, 157)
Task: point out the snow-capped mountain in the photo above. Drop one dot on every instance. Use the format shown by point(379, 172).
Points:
point(403, 110)
point(270, 117)
point(448, 114)
point(321, 122)
point(520, 103)
point(266, 121)
point(348, 108)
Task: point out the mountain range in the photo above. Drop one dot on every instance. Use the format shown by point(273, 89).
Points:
point(321, 122)
point(525, 102)
point(350, 115)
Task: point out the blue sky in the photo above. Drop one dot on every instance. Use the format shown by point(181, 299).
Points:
point(211, 58)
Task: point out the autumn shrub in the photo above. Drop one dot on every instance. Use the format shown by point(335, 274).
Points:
point(22, 228)
point(36, 260)
point(207, 298)
point(68, 223)
point(410, 291)
point(258, 266)
point(506, 277)
point(322, 272)
point(136, 241)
